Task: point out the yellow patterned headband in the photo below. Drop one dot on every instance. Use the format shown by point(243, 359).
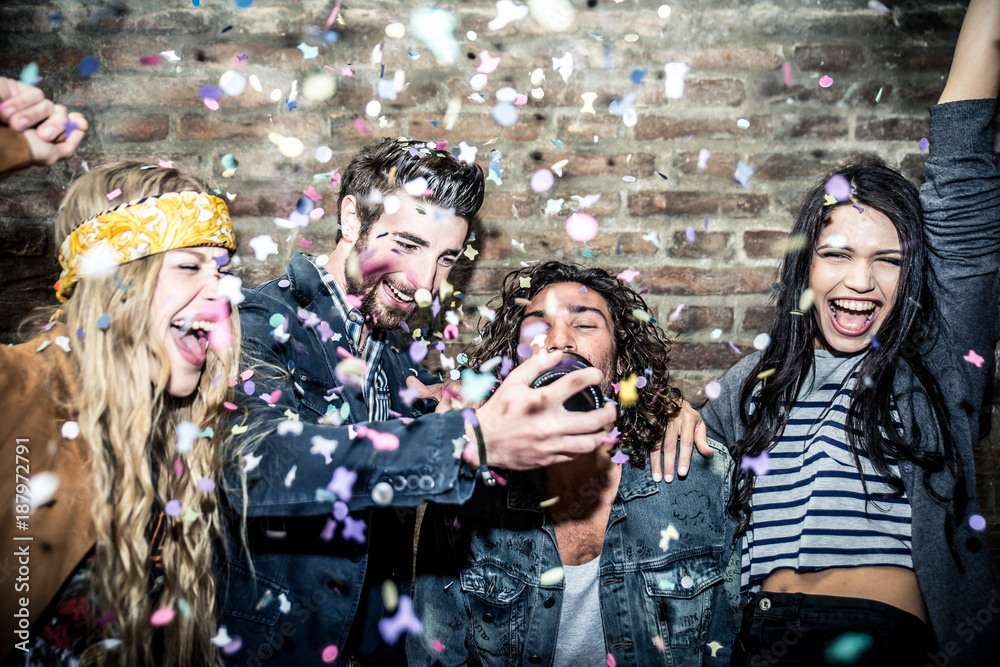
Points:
point(143, 228)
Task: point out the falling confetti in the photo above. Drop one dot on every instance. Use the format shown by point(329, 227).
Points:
point(581, 227)
point(760, 465)
point(674, 84)
point(825, 81)
point(974, 358)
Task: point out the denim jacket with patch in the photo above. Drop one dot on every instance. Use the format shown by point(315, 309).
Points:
point(481, 594)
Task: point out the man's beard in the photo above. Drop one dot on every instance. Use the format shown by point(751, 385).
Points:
point(367, 289)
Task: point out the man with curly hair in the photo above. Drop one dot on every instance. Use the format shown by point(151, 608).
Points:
point(586, 561)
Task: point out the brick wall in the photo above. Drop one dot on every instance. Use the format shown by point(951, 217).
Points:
point(886, 69)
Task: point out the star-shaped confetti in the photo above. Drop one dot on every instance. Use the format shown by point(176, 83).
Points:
point(354, 529)
point(470, 252)
point(714, 647)
point(263, 246)
point(308, 52)
point(250, 462)
point(404, 621)
point(341, 483)
point(507, 12)
point(487, 63)
point(974, 358)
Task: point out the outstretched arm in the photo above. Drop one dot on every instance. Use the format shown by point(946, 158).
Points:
point(44, 132)
point(975, 70)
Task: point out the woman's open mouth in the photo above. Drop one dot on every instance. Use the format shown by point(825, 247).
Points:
point(191, 339)
point(852, 317)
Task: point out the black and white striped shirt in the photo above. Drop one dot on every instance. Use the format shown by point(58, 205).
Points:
point(810, 511)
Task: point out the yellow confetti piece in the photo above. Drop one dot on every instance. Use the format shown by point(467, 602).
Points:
point(640, 315)
point(294, 416)
point(237, 430)
point(524, 282)
point(446, 289)
point(766, 374)
point(628, 394)
point(423, 297)
point(390, 595)
point(553, 576)
point(470, 252)
point(549, 502)
point(806, 300)
point(588, 102)
point(796, 242)
point(828, 200)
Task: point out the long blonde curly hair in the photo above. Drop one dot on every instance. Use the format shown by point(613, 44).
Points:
point(129, 421)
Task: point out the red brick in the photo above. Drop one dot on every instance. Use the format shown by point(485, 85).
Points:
point(208, 127)
point(764, 243)
point(696, 203)
point(476, 127)
point(492, 244)
point(701, 356)
point(19, 52)
point(710, 92)
point(354, 94)
point(914, 57)
point(892, 129)
point(698, 318)
point(503, 205)
point(605, 127)
point(659, 127)
point(758, 318)
point(826, 128)
point(153, 127)
point(583, 164)
point(796, 164)
point(129, 91)
point(719, 164)
point(706, 244)
point(685, 280)
point(739, 58)
point(825, 59)
point(23, 240)
point(557, 242)
point(28, 203)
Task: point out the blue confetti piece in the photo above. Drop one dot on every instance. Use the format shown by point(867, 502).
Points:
point(434, 123)
point(243, 4)
point(743, 173)
point(923, 144)
point(29, 75)
point(557, 143)
point(331, 36)
point(304, 205)
point(637, 75)
point(89, 66)
point(208, 91)
point(291, 105)
point(104, 321)
point(848, 648)
point(589, 253)
point(690, 235)
point(195, 3)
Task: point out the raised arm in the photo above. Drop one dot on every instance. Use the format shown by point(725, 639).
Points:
point(975, 70)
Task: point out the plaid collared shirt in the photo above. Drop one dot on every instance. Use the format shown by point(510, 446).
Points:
point(375, 390)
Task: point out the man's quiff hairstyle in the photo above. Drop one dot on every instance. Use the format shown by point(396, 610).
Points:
point(386, 166)
point(641, 347)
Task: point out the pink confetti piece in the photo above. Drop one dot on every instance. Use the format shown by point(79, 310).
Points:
point(212, 105)
point(230, 406)
point(329, 22)
point(247, 374)
point(825, 81)
point(451, 332)
point(713, 390)
point(150, 61)
point(354, 301)
point(162, 616)
point(628, 275)
point(273, 397)
point(383, 442)
point(360, 126)
point(178, 468)
point(703, 156)
point(437, 645)
point(974, 358)
point(331, 652)
point(611, 660)
point(312, 194)
point(786, 71)
point(114, 194)
point(581, 227)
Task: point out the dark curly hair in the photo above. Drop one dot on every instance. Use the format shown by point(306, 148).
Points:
point(641, 347)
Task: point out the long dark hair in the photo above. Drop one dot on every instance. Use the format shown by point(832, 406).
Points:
point(641, 347)
point(908, 327)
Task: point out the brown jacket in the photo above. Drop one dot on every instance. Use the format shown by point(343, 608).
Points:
point(60, 533)
point(14, 151)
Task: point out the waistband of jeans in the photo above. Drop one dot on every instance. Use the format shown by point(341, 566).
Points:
point(804, 605)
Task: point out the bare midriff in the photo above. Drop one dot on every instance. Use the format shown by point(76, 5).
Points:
point(896, 586)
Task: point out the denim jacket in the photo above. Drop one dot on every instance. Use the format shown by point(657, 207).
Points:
point(479, 589)
point(307, 588)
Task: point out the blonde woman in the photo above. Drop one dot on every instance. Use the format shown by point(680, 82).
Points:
point(109, 420)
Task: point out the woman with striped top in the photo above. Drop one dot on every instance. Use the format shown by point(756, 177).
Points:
point(862, 542)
